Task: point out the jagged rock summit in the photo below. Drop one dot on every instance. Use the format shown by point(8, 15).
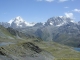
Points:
point(58, 21)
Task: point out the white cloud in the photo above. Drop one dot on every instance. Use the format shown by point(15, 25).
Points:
point(70, 15)
point(49, 0)
point(66, 7)
point(46, 0)
point(55, 0)
point(39, 0)
point(77, 10)
point(63, 0)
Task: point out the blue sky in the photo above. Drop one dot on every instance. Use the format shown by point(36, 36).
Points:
point(38, 10)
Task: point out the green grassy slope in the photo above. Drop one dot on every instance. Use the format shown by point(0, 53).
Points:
point(22, 47)
point(59, 51)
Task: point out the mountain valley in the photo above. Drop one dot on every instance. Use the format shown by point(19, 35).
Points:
point(63, 30)
point(52, 40)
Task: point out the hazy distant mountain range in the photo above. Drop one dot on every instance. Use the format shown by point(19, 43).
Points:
point(60, 29)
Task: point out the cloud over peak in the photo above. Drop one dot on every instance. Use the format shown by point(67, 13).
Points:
point(77, 10)
point(70, 15)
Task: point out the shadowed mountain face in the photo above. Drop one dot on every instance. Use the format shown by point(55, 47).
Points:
point(10, 33)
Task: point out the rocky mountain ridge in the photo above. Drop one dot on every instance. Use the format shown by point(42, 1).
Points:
point(18, 22)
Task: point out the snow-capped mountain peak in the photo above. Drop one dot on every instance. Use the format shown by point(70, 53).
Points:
point(58, 21)
point(10, 22)
point(19, 19)
point(18, 22)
